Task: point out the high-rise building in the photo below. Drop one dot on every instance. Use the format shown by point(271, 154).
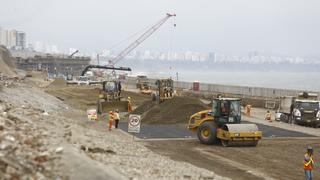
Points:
point(21, 40)
point(2, 36)
point(11, 38)
point(212, 56)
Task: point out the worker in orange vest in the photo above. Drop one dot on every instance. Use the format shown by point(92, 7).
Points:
point(308, 163)
point(129, 104)
point(110, 120)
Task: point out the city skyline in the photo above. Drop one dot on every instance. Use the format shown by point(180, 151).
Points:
point(15, 39)
point(233, 27)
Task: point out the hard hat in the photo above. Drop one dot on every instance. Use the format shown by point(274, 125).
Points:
point(129, 97)
point(117, 110)
point(310, 149)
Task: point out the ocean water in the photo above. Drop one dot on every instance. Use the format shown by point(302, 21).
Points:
point(281, 80)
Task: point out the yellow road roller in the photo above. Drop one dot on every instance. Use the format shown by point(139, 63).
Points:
point(223, 122)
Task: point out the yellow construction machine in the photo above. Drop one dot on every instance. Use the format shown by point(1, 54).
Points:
point(223, 122)
point(143, 85)
point(164, 90)
point(110, 98)
point(145, 88)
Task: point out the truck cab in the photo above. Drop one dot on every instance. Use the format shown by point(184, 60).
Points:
point(306, 112)
point(303, 109)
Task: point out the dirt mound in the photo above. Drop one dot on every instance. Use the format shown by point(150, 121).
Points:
point(176, 110)
point(58, 83)
point(146, 106)
point(7, 65)
point(84, 97)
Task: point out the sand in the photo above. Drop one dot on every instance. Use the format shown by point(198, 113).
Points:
point(176, 110)
point(7, 65)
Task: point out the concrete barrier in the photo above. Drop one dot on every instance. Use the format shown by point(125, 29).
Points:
point(242, 91)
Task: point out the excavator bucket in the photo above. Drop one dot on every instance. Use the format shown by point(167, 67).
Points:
point(239, 135)
point(146, 91)
point(106, 106)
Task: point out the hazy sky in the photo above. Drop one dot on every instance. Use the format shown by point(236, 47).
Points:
point(290, 27)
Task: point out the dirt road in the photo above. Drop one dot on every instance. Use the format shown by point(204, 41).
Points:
point(272, 158)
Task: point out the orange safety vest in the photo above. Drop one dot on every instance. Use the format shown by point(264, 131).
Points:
point(110, 116)
point(307, 165)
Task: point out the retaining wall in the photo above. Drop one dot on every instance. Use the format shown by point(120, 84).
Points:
point(243, 91)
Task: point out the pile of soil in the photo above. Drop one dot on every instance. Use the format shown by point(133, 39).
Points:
point(78, 97)
point(58, 83)
point(173, 111)
point(144, 107)
point(83, 97)
point(7, 65)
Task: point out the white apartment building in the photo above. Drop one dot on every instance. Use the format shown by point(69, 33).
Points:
point(12, 38)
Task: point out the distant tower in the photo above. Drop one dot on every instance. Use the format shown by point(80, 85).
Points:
point(253, 54)
point(212, 57)
point(21, 40)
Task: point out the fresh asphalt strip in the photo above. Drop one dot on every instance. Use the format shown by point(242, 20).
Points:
point(158, 131)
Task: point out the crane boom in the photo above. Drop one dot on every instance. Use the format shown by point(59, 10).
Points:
point(75, 52)
point(136, 43)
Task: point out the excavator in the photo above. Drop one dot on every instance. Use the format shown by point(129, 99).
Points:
point(110, 98)
point(223, 122)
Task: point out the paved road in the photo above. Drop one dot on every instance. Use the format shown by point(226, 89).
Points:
point(153, 131)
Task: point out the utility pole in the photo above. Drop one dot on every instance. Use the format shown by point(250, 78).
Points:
point(177, 75)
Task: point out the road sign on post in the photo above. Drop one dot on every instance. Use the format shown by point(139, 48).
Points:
point(134, 123)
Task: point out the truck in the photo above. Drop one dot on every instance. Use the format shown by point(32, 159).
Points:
point(303, 109)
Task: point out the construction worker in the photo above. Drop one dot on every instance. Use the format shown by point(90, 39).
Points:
point(110, 120)
point(116, 118)
point(129, 104)
point(291, 113)
point(223, 108)
point(268, 116)
point(308, 163)
point(119, 88)
point(248, 109)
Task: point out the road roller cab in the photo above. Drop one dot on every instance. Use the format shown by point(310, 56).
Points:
point(222, 122)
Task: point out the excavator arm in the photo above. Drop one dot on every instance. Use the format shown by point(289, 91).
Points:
point(104, 67)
